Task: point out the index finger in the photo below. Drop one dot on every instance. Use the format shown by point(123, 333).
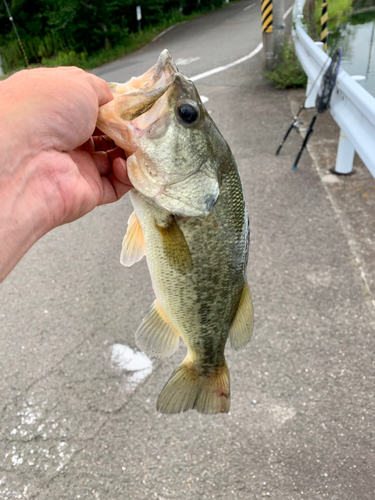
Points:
point(101, 89)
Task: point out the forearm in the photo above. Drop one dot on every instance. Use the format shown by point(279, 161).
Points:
point(30, 203)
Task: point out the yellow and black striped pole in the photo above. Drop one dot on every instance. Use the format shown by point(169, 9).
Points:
point(267, 16)
point(23, 52)
point(323, 21)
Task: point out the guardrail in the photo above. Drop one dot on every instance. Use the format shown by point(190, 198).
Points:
point(351, 106)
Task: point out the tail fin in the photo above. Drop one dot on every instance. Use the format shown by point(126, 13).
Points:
point(188, 389)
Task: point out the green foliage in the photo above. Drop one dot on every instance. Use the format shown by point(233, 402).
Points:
point(338, 13)
point(289, 72)
point(70, 58)
point(365, 17)
point(84, 32)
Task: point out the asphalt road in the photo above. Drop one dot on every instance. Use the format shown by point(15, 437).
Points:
point(77, 407)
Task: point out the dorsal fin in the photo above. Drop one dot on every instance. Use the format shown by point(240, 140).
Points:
point(156, 336)
point(133, 245)
point(241, 328)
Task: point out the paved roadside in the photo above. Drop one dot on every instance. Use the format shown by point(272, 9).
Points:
point(77, 422)
point(352, 197)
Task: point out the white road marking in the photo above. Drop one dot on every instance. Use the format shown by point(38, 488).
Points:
point(249, 6)
point(188, 60)
point(288, 12)
point(223, 68)
point(204, 98)
point(163, 33)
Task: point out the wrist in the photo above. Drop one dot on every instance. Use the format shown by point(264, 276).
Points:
point(23, 215)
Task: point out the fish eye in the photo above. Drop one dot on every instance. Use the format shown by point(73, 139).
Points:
point(188, 113)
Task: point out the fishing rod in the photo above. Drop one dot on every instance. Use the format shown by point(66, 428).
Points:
point(370, 52)
point(293, 125)
point(295, 122)
point(323, 99)
point(326, 89)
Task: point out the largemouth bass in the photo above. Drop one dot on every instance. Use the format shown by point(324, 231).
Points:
point(190, 221)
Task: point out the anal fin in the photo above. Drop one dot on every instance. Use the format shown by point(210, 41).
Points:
point(156, 336)
point(133, 245)
point(241, 328)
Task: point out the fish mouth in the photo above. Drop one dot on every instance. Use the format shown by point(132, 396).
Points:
point(165, 67)
point(132, 100)
point(135, 103)
point(138, 110)
point(159, 75)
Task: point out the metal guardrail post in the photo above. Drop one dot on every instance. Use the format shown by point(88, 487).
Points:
point(311, 89)
point(345, 156)
point(345, 149)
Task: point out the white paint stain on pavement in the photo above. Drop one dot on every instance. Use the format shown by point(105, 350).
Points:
point(125, 358)
point(331, 179)
point(204, 98)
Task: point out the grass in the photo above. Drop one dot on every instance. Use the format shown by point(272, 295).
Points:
point(289, 72)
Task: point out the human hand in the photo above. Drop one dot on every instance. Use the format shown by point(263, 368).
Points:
point(52, 113)
point(102, 165)
point(52, 170)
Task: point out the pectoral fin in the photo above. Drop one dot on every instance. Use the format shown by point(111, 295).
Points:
point(241, 328)
point(156, 336)
point(133, 245)
point(175, 247)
